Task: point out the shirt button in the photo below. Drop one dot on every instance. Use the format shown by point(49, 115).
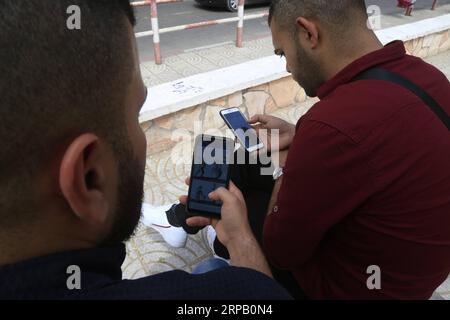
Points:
point(275, 209)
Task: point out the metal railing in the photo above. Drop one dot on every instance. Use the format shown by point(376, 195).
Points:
point(241, 17)
point(156, 31)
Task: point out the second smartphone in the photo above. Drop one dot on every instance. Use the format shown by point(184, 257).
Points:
point(243, 131)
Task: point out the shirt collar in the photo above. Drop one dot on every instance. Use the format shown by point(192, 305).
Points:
point(47, 276)
point(392, 51)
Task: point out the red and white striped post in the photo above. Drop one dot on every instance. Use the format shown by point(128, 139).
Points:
point(155, 29)
point(240, 26)
point(409, 10)
point(434, 5)
point(155, 32)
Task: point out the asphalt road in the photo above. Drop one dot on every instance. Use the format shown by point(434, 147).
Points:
point(189, 11)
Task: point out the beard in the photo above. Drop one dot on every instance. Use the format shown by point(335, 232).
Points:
point(129, 200)
point(308, 73)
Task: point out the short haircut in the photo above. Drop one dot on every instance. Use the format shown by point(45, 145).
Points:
point(336, 15)
point(57, 83)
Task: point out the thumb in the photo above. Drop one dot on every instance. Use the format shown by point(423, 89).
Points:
point(221, 194)
point(257, 118)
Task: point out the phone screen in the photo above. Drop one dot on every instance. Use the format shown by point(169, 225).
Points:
point(242, 129)
point(210, 171)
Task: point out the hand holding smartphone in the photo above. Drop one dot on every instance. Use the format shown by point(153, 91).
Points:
point(210, 171)
point(243, 131)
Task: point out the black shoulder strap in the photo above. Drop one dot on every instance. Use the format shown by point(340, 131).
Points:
point(385, 75)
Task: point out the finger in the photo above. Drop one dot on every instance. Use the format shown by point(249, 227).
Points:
point(188, 181)
point(183, 199)
point(258, 127)
point(198, 221)
point(261, 118)
point(223, 195)
point(236, 191)
point(253, 119)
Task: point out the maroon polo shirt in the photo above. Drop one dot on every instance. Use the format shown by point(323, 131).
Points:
point(367, 182)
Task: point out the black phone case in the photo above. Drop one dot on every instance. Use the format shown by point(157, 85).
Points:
point(197, 213)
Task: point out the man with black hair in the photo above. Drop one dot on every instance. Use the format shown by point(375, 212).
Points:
point(73, 159)
point(360, 208)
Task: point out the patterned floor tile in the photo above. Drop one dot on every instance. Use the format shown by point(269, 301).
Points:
point(444, 288)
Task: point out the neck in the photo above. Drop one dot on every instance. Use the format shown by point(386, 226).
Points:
point(339, 58)
point(22, 245)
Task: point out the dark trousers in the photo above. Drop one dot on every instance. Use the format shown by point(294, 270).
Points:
point(257, 190)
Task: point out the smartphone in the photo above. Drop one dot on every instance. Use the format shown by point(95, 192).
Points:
point(243, 131)
point(210, 171)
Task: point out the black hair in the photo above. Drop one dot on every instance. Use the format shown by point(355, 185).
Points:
point(56, 83)
point(337, 15)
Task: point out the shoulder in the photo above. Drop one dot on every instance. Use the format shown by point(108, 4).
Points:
point(226, 283)
point(358, 108)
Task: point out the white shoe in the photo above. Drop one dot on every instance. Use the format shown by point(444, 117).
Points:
point(156, 218)
point(211, 237)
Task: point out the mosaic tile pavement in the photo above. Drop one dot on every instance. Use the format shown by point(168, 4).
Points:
point(164, 183)
point(203, 60)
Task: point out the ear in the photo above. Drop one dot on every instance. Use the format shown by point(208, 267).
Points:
point(83, 179)
point(310, 31)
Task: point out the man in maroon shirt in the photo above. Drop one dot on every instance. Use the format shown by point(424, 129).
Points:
point(362, 210)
